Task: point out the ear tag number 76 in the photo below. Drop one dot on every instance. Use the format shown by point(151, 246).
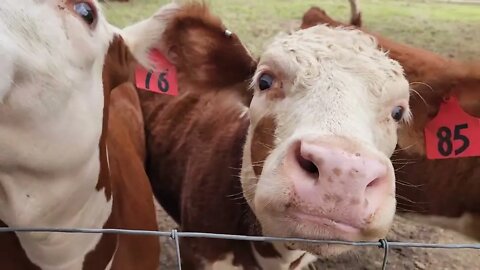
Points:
point(162, 79)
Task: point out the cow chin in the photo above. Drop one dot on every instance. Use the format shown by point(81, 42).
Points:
point(278, 221)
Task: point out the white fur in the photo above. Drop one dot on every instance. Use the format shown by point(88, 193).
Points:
point(286, 259)
point(147, 34)
point(224, 264)
point(51, 111)
point(336, 84)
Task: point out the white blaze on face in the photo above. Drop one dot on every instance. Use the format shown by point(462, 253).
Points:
point(51, 111)
point(323, 125)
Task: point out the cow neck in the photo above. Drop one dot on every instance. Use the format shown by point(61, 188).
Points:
point(274, 255)
point(73, 197)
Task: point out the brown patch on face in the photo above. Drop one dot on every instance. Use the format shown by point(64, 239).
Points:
point(337, 171)
point(262, 142)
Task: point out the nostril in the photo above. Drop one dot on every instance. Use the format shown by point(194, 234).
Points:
point(374, 183)
point(307, 165)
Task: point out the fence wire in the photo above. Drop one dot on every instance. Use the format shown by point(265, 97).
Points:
point(176, 235)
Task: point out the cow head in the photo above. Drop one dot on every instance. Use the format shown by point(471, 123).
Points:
point(326, 107)
point(55, 80)
point(53, 54)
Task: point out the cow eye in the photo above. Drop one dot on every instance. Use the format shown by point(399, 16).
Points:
point(86, 12)
point(397, 113)
point(265, 81)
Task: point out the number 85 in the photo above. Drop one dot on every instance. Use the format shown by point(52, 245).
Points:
point(445, 144)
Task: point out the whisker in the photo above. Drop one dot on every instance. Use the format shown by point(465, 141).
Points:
point(422, 83)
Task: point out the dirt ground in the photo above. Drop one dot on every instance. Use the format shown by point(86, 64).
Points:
point(372, 257)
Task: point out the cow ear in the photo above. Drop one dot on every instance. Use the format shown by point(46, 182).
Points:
point(200, 46)
point(467, 82)
point(118, 65)
point(148, 34)
point(426, 98)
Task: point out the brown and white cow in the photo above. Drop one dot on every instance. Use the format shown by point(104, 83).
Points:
point(64, 162)
point(448, 187)
point(308, 157)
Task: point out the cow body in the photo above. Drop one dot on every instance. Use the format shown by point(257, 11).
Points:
point(279, 166)
point(212, 166)
point(447, 187)
point(64, 161)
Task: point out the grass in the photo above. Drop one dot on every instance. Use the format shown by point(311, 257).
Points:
point(452, 30)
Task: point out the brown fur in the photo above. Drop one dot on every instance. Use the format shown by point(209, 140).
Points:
point(262, 143)
point(194, 159)
point(209, 50)
point(441, 187)
point(133, 206)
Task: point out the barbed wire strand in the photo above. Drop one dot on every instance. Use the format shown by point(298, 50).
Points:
point(175, 235)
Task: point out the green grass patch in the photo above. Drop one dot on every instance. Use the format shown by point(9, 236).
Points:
point(449, 29)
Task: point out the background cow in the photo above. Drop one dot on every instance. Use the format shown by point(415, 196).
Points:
point(447, 187)
point(309, 164)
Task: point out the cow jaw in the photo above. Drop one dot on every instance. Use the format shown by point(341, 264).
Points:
point(316, 162)
point(51, 110)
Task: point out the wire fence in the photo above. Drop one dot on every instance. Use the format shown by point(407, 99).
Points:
point(176, 235)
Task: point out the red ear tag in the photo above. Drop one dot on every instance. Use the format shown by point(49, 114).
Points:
point(452, 133)
point(162, 79)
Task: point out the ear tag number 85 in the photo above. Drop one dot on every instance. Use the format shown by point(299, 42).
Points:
point(452, 133)
point(445, 144)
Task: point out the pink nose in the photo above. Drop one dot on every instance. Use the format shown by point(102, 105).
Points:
point(348, 186)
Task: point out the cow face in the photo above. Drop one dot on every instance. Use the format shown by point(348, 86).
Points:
point(324, 118)
point(52, 58)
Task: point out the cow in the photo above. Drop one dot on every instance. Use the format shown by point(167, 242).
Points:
point(296, 144)
point(447, 190)
point(72, 147)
